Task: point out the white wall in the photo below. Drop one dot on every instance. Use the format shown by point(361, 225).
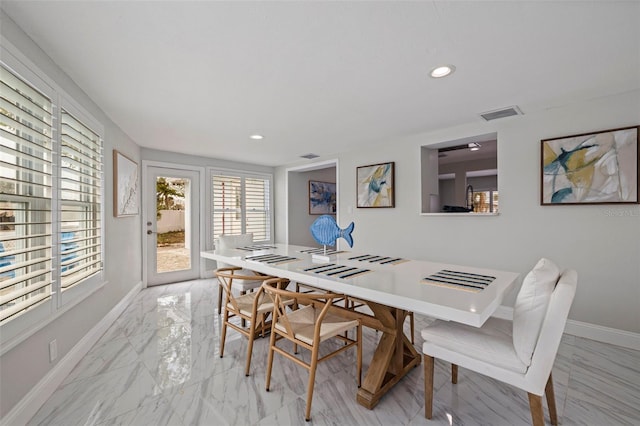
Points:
point(447, 194)
point(299, 218)
point(28, 362)
point(602, 242)
point(461, 181)
point(431, 195)
point(199, 161)
point(23, 366)
point(170, 221)
point(168, 159)
point(483, 183)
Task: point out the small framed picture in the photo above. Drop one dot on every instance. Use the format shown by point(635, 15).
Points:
point(322, 197)
point(591, 168)
point(375, 185)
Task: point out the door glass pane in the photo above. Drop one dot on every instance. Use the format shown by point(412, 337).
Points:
point(173, 235)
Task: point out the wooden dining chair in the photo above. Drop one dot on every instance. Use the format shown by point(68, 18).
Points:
point(253, 309)
point(519, 352)
point(250, 280)
point(308, 326)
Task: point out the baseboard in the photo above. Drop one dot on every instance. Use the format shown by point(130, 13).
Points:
point(38, 395)
point(613, 336)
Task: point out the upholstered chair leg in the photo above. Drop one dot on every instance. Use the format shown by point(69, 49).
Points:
point(454, 374)
point(428, 386)
point(551, 401)
point(359, 354)
point(312, 379)
point(219, 299)
point(535, 405)
point(346, 333)
point(413, 326)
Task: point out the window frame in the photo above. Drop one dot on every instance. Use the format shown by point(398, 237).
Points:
point(94, 282)
point(20, 328)
point(243, 174)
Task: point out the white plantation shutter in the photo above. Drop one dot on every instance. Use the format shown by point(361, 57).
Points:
point(51, 194)
point(257, 211)
point(26, 185)
point(227, 205)
point(241, 204)
point(80, 201)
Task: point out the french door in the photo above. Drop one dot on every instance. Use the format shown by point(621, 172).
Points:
point(172, 225)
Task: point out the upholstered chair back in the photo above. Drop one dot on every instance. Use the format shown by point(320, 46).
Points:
point(531, 307)
point(233, 241)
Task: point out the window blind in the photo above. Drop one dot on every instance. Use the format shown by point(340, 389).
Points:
point(258, 213)
point(241, 204)
point(80, 201)
point(26, 182)
point(227, 205)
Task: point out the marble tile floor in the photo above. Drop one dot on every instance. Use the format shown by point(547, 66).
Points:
point(159, 364)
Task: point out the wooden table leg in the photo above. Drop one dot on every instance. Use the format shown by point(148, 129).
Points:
point(394, 357)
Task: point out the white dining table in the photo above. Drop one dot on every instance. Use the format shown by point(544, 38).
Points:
point(391, 286)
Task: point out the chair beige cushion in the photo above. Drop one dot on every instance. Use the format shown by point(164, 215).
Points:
point(245, 304)
point(492, 342)
point(531, 307)
point(303, 321)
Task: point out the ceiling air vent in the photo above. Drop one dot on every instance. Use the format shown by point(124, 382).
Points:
point(501, 113)
point(309, 156)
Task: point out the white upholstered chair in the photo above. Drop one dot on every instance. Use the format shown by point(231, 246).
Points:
point(519, 352)
point(241, 285)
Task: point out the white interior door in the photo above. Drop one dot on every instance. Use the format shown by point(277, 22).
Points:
point(172, 225)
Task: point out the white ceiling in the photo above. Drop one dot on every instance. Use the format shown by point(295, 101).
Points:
point(326, 77)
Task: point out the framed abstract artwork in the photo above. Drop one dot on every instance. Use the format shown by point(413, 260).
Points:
point(375, 185)
point(591, 168)
point(322, 197)
point(125, 185)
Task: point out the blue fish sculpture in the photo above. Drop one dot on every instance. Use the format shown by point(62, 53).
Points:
point(326, 231)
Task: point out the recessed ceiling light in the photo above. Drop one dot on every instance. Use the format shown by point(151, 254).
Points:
point(256, 137)
point(442, 71)
point(474, 146)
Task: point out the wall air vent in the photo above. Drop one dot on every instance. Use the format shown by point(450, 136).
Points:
point(309, 156)
point(501, 113)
